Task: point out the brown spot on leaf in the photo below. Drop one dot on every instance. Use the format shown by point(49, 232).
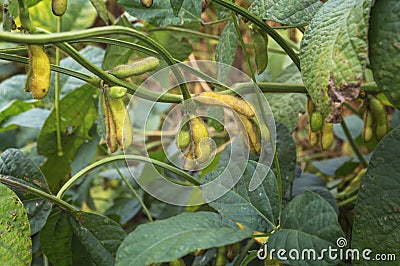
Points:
point(338, 95)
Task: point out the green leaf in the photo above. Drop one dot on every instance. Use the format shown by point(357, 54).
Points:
point(18, 165)
point(226, 49)
point(78, 114)
point(162, 14)
point(11, 89)
point(80, 14)
point(187, 232)
point(384, 47)
point(313, 183)
point(308, 222)
point(38, 211)
point(286, 152)
point(125, 208)
point(85, 153)
point(56, 238)
point(15, 241)
point(377, 210)
point(176, 6)
point(13, 99)
point(293, 12)
point(98, 236)
point(169, 41)
point(13, 108)
point(335, 43)
point(116, 55)
point(101, 9)
point(293, 102)
point(257, 209)
point(33, 118)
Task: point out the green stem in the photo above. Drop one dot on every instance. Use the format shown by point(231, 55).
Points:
point(292, 87)
point(214, 22)
point(57, 96)
point(6, 180)
point(346, 194)
point(353, 145)
point(151, 52)
point(187, 32)
point(268, 29)
point(83, 172)
point(96, 82)
point(279, 180)
point(45, 260)
point(24, 17)
point(135, 194)
point(235, 23)
point(350, 200)
point(288, 27)
point(95, 32)
point(82, 76)
point(267, 87)
point(244, 252)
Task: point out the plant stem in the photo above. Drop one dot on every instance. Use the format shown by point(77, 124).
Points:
point(151, 52)
point(284, 27)
point(257, 21)
point(353, 145)
point(96, 82)
point(6, 180)
point(350, 200)
point(84, 171)
point(57, 96)
point(267, 87)
point(235, 23)
point(107, 30)
point(187, 32)
point(135, 194)
point(24, 17)
point(243, 252)
point(292, 87)
point(214, 22)
point(82, 76)
point(279, 180)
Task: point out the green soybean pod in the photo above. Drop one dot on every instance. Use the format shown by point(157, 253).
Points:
point(117, 92)
point(326, 135)
point(316, 121)
point(368, 130)
point(379, 114)
point(260, 42)
point(184, 137)
point(59, 7)
point(136, 68)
